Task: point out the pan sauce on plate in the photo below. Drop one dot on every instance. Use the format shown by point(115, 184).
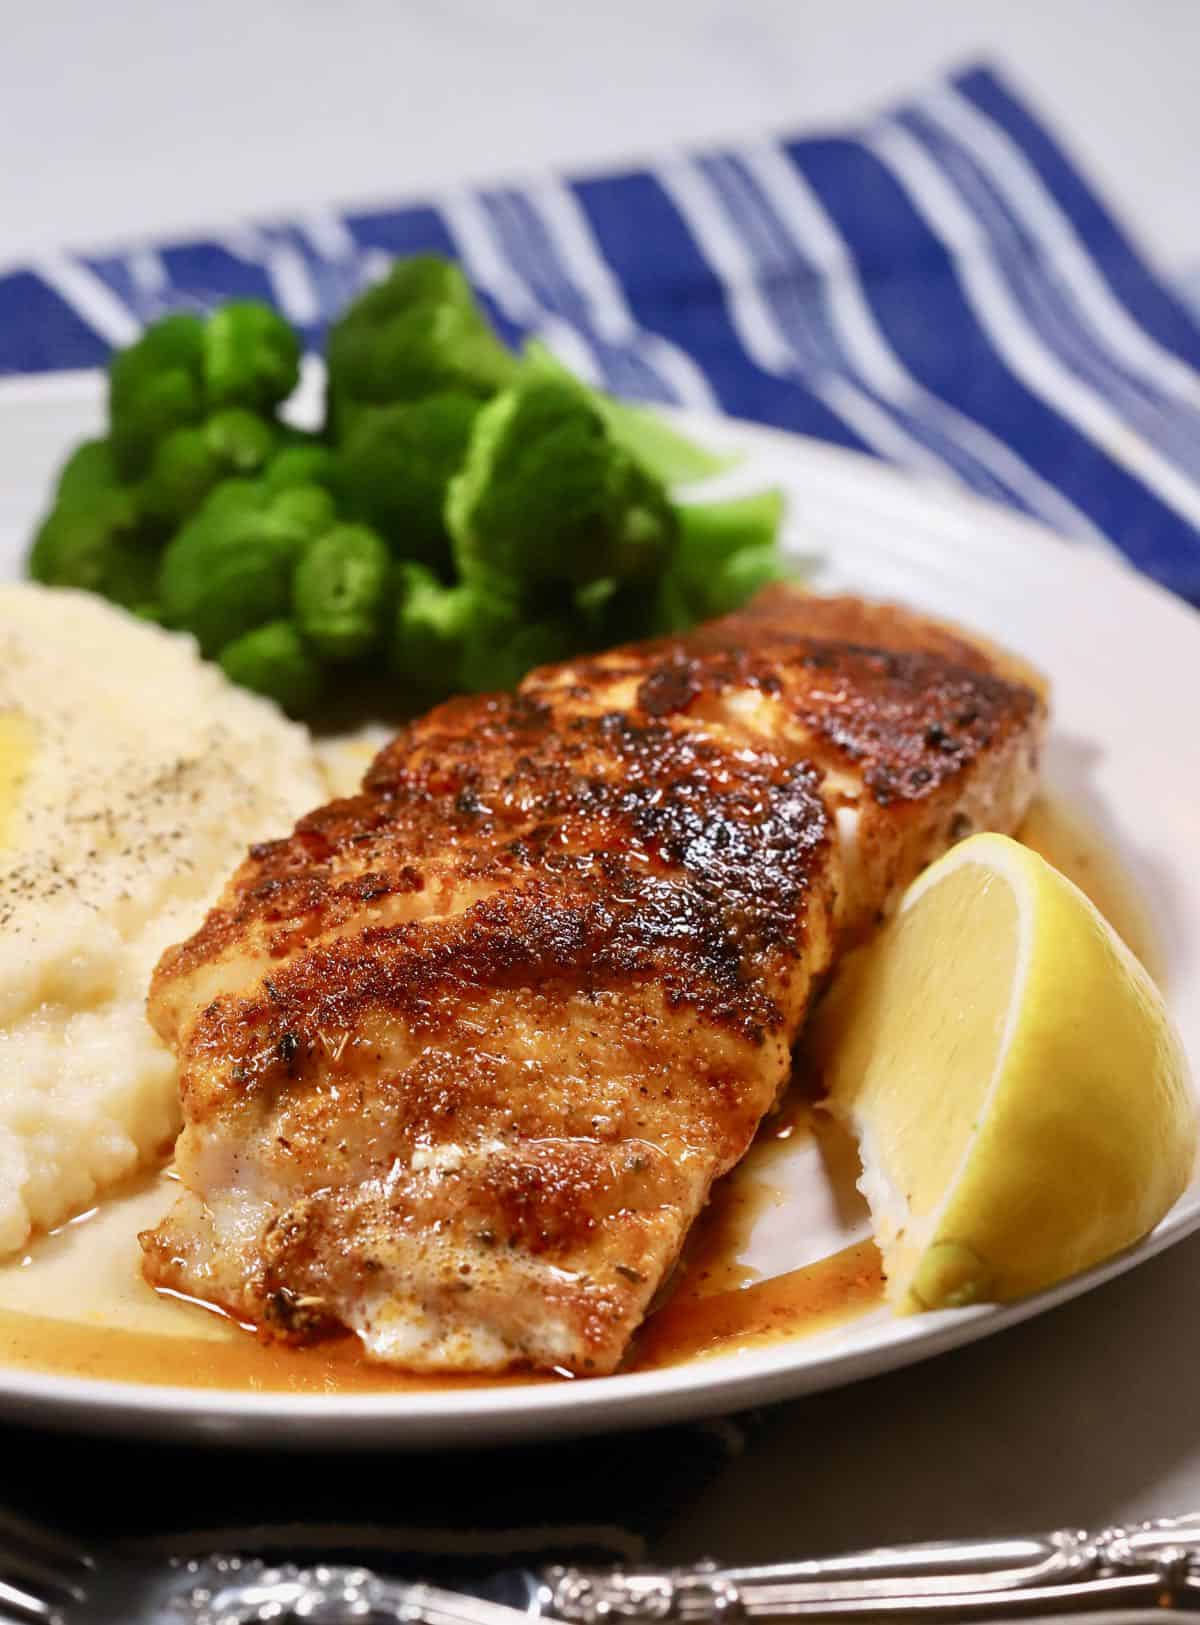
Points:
point(75, 1304)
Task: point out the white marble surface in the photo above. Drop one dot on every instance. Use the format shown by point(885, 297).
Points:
point(143, 116)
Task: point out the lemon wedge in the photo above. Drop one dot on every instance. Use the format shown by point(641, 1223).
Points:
point(1019, 1096)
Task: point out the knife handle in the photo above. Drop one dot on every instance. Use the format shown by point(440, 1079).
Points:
point(1155, 1563)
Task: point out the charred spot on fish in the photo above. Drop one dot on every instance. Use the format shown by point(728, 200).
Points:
point(528, 712)
point(299, 1317)
point(881, 782)
point(468, 802)
point(610, 723)
point(669, 688)
point(313, 842)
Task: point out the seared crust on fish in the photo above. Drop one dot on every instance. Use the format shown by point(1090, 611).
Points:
point(462, 1056)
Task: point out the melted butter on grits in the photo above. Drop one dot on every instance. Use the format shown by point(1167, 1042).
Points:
point(133, 777)
point(18, 740)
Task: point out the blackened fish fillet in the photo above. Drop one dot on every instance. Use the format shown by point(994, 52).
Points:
point(462, 1057)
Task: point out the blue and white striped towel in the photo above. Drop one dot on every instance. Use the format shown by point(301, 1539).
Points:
point(941, 287)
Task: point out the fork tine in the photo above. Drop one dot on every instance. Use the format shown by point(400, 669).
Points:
point(23, 1578)
point(23, 1608)
point(40, 1570)
point(46, 1545)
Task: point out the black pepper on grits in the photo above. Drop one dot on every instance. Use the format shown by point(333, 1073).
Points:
point(133, 777)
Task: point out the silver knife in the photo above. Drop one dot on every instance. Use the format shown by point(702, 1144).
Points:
point(46, 1580)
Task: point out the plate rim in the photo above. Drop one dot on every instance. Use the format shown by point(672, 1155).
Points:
point(459, 1417)
point(417, 1419)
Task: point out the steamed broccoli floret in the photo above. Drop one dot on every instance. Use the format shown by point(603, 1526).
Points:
point(301, 461)
point(500, 649)
point(190, 462)
point(394, 468)
point(154, 386)
point(184, 368)
point(96, 536)
point(659, 448)
point(471, 636)
point(430, 628)
point(472, 514)
point(99, 544)
point(274, 660)
point(251, 357)
point(547, 496)
point(606, 612)
point(90, 468)
point(340, 592)
point(304, 511)
point(415, 333)
point(229, 569)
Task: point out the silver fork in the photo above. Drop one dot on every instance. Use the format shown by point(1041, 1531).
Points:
point(48, 1580)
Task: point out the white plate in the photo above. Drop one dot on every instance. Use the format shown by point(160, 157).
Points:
point(1122, 656)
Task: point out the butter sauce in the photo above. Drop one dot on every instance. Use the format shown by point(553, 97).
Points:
point(18, 741)
point(1066, 838)
point(716, 1302)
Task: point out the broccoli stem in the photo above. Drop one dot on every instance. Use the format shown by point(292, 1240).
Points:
point(726, 551)
point(711, 531)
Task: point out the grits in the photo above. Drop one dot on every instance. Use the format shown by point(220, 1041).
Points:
point(132, 778)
